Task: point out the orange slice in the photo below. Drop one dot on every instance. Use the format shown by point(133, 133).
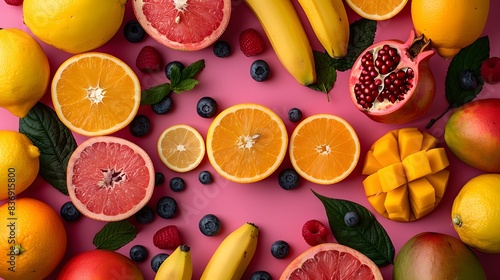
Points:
point(181, 148)
point(377, 9)
point(246, 143)
point(95, 93)
point(324, 149)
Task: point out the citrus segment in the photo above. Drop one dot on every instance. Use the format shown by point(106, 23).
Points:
point(187, 25)
point(181, 148)
point(109, 178)
point(95, 93)
point(246, 142)
point(324, 149)
point(377, 9)
point(331, 261)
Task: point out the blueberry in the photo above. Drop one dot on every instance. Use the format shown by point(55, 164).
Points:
point(205, 177)
point(209, 225)
point(163, 106)
point(170, 65)
point(159, 178)
point(140, 126)
point(288, 179)
point(259, 70)
point(222, 49)
point(468, 79)
point(138, 253)
point(133, 31)
point(294, 114)
point(177, 184)
point(206, 107)
point(157, 260)
point(145, 215)
point(166, 207)
point(261, 275)
point(351, 218)
point(69, 212)
point(280, 249)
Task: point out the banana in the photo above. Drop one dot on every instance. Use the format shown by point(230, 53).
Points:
point(233, 255)
point(178, 266)
point(283, 28)
point(328, 19)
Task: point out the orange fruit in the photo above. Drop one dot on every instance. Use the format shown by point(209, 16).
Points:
point(109, 178)
point(95, 93)
point(324, 149)
point(32, 240)
point(184, 25)
point(332, 261)
point(377, 9)
point(246, 142)
point(181, 148)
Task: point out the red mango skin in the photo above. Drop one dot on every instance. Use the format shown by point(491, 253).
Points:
point(436, 256)
point(473, 134)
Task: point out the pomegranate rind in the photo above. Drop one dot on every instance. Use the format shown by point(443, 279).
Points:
point(128, 166)
point(332, 261)
point(194, 26)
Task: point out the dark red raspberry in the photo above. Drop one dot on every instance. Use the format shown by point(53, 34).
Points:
point(251, 43)
point(148, 59)
point(14, 2)
point(490, 70)
point(314, 232)
point(167, 238)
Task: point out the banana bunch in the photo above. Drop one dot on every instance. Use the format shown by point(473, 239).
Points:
point(178, 266)
point(233, 255)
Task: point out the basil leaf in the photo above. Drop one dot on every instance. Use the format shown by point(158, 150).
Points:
point(326, 75)
point(361, 36)
point(193, 69)
point(55, 141)
point(187, 84)
point(368, 236)
point(155, 94)
point(115, 235)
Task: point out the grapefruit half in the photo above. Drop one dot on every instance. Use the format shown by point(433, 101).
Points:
point(109, 178)
point(186, 25)
point(332, 261)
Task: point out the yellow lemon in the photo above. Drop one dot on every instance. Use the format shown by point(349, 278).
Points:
point(25, 71)
point(20, 163)
point(450, 24)
point(476, 213)
point(74, 26)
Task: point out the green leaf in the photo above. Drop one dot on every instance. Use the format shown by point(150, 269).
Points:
point(115, 235)
point(155, 94)
point(175, 76)
point(193, 69)
point(184, 85)
point(368, 236)
point(361, 36)
point(326, 75)
point(54, 140)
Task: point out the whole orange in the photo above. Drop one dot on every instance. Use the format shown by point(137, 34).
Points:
point(32, 239)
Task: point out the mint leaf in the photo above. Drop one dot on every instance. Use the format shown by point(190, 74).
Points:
point(175, 76)
point(155, 94)
point(368, 236)
point(115, 235)
point(54, 140)
point(361, 36)
point(193, 69)
point(184, 85)
point(326, 75)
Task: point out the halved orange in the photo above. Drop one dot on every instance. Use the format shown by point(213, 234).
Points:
point(95, 93)
point(324, 149)
point(181, 148)
point(246, 142)
point(377, 9)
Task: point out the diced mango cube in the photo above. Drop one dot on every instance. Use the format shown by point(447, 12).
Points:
point(377, 202)
point(372, 184)
point(392, 176)
point(371, 164)
point(420, 212)
point(429, 141)
point(416, 165)
point(437, 159)
point(386, 150)
point(422, 193)
point(410, 141)
point(397, 204)
point(439, 181)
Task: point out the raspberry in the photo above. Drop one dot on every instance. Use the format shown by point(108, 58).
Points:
point(314, 232)
point(14, 2)
point(167, 238)
point(251, 43)
point(490, 70)
point(148, 59)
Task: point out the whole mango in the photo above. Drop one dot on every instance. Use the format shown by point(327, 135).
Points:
point(436, 256)
point(473, 134)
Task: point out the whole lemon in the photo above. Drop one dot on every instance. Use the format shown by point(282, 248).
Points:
point(74, 26)
point(450, 24)
point(20, 163)
point(476, 213)
point(25, 71)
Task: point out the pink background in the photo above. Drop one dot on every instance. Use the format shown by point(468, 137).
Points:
point(279, 214)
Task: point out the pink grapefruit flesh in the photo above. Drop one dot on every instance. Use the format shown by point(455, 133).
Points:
point(109, 178)
point(186, 25)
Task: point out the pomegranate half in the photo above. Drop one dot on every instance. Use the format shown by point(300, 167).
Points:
point(391, 81)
